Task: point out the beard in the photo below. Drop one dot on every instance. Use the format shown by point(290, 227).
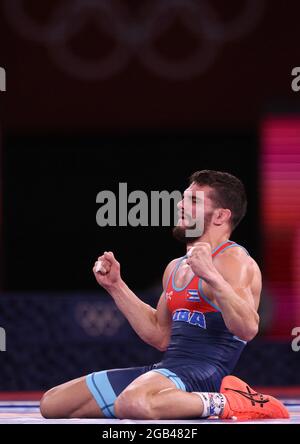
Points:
point(179, 232)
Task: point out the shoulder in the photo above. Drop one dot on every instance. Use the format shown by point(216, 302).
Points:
point(235, 264)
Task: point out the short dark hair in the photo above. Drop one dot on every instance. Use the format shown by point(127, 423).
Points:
point(228, 192)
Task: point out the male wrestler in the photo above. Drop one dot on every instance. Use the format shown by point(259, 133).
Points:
point(204, 317)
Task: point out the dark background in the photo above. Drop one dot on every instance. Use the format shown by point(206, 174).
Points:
point(51, 238)
point(254, 43)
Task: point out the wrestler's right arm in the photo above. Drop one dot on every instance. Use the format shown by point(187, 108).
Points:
point(152, 325)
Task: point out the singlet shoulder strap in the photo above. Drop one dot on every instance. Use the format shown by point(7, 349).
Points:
point(172, 272)
point(225, 245)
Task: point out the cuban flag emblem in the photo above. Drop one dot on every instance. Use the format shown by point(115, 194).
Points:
point(193, 296)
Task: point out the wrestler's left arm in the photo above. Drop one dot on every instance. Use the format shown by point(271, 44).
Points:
point(230, 281)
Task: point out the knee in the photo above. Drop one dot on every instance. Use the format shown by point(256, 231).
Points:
point(48, 405)
point(132, 404)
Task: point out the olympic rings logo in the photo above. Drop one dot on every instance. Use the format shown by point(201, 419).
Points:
point(134, 35)
point(98, 319)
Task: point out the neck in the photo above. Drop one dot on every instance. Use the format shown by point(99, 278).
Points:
point(212, 240)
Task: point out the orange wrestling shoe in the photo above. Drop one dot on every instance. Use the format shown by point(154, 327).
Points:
point(244, 403)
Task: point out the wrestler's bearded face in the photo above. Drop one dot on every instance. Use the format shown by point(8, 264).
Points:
point(195, 213)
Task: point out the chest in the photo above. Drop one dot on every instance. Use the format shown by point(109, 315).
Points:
point(185, 291)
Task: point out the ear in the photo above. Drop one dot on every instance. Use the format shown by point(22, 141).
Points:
point(221, 216)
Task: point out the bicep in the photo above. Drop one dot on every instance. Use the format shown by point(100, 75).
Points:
point(164, 322)
point(239, 274)
point(163, 315)
point(246, 294)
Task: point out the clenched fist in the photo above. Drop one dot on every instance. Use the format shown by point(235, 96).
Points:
point(107, 270)
point(199, 258)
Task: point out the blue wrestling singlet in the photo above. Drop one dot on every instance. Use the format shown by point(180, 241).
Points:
point(200, 353)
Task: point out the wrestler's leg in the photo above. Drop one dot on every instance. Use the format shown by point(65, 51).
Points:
point(148, 398)
point(72, 399)
point(145, 398)
point(90, 396)
point(157, 396)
